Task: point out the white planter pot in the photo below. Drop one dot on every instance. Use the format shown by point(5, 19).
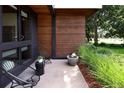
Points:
point(72, 60)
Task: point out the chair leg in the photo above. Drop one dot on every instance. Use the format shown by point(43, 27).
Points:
point(13, 86)
point(29, 86)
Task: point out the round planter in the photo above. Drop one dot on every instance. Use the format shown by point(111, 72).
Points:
point(72, 60)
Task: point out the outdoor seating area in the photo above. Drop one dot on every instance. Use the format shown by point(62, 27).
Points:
point(58, 74)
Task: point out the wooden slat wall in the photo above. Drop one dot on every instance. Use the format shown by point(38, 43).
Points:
point(44, 35)
point(70, 34)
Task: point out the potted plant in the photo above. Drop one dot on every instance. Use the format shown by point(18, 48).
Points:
point(72, 59)
point(40, 58)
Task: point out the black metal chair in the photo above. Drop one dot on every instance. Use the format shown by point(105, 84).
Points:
point(6, 67)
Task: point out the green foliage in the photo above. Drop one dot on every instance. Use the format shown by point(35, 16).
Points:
point(110, 18)
point(40, 57)
point(109, 70)
point(118, 49)
point(104, 51)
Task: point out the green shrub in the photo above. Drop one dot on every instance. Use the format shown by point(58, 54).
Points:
point(102, 44)
point(104, 51)
point(106, 69)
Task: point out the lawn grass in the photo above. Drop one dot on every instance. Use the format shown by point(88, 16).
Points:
point(105, 63)
point(119, 49)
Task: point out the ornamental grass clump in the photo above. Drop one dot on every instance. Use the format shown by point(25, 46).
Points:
point(104, 66)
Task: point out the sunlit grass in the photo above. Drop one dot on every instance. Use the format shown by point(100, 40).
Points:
point(105, 64)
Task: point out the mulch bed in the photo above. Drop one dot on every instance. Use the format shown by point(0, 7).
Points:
point(92, 83)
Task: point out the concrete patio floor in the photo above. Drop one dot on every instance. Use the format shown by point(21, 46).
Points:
point(58, 74)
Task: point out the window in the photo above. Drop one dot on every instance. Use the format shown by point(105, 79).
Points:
point(16, 33)
point(26, 53)
point(11, 55)
point(12, 32)
point(9, 33)
point(25, 32)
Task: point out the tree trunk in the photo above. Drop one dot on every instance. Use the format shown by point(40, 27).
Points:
point(95, 35)
point(88, 37)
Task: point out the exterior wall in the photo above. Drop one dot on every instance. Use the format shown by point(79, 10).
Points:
point(44, 35)
point(70, 34)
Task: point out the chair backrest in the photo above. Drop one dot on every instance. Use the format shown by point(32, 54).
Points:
point(7, 65)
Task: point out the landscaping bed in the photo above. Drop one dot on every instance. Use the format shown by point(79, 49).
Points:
point(92, 83)
point(102, 66)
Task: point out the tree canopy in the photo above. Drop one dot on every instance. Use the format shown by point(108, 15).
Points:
point(110, 19)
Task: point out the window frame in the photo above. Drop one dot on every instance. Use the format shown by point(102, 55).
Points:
point(14, 44)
